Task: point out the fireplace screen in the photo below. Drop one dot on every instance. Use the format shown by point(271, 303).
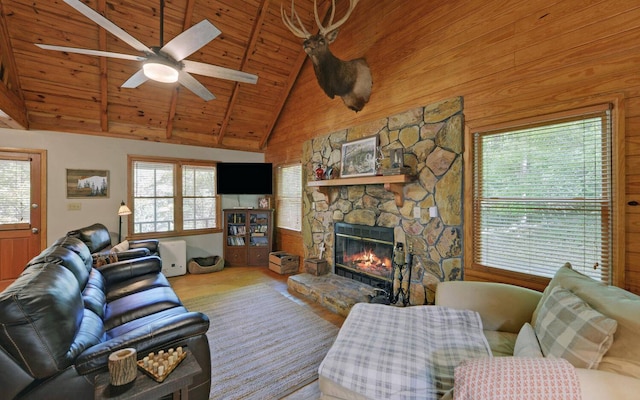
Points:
point(363, 253)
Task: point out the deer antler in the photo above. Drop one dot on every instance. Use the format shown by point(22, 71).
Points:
point(332, 26)
point(301, 32)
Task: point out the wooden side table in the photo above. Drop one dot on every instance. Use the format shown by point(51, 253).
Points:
point(146, 388)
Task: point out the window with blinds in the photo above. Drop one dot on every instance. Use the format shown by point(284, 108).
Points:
point(199, 201)
point(289, 197)
point(153, 197)
point(542, 196)
point(15, 192)
point(172, 195)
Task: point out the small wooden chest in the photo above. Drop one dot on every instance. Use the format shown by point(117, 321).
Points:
point(283, 263)
point(316, 266)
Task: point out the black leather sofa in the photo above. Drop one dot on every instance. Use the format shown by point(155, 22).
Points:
point(98, 240)
point(62, 317)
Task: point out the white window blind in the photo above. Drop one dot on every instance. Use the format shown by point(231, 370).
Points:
point(199, 200)
point(542, 196)
point(289, 197)
point(153, 197)
point(15, 192)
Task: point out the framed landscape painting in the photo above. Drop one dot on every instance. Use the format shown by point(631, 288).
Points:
point(87, 183)
point(359, 157)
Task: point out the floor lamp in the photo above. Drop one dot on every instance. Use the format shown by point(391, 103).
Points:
point(123, 210)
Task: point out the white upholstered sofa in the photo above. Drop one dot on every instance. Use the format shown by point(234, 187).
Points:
point(606, 369)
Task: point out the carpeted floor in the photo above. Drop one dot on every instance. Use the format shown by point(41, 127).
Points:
point(263, 345)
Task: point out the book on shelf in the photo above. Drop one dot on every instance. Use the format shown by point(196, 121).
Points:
point(235, 241)
point(236, 218)
point(259, 241)
point(237, 230)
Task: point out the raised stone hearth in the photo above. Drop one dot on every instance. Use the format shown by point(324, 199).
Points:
point(331, 291)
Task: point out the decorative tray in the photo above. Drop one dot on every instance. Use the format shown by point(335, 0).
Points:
point(159, 365)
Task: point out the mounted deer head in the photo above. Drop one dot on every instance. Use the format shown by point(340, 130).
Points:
point(351, 80)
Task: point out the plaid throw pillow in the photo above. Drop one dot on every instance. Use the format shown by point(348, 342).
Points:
point(569, 328)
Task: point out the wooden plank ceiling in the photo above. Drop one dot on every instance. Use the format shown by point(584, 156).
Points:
point(57, 91)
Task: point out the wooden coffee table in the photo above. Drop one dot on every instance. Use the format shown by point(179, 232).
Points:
point(146, 388)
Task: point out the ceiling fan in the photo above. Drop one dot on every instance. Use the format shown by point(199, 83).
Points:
point(165, 63)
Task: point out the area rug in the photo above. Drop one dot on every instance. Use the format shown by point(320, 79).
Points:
point(263, 345)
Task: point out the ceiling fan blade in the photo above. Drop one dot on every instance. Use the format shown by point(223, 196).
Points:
point(136, 80)
point(191, 40)
point(196, 87)
point(108, 25)
point(215, 71)
point(90, 52)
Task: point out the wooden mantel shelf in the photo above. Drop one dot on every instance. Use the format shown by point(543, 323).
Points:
point(392, 183)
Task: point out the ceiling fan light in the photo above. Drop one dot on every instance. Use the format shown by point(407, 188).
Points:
point(160, 72)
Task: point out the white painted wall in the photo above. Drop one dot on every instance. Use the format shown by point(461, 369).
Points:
point(75, 151)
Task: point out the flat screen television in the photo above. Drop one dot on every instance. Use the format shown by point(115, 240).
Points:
point(245, 178)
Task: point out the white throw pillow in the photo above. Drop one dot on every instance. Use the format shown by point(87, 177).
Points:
point(122, 246)
point(527, 343)
point(567, 327)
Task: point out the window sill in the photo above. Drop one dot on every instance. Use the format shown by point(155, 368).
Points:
point(161, 235)
point(290, 232)
point(486, 274)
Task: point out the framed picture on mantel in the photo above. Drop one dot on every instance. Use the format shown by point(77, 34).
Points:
point(359, 157)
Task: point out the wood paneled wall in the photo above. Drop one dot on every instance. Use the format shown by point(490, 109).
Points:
point(506, 58)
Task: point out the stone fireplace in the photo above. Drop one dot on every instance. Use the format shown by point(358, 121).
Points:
point(431, 138)
point(364, 253)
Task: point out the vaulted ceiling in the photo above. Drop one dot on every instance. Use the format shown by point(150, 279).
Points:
point(59, 91)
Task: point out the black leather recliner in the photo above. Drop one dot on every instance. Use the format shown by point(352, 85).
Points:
point(61, 318)
point(98, 240)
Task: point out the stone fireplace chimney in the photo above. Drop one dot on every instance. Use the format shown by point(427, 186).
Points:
point(431, 138)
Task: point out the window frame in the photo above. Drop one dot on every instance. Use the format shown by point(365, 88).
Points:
point(26, 159)
point(178, 222)
point(545, 115)
point(278, 197)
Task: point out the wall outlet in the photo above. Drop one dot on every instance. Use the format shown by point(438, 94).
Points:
point(416, 212)
point(433, 212)
point(74, 206)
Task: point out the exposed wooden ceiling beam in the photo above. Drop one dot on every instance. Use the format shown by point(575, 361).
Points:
point(13, 111)
point(302, 57)
point(104, 95)
point(262, 13)
point(173, 103)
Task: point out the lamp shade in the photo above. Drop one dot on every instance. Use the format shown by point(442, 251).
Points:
point(123, 210)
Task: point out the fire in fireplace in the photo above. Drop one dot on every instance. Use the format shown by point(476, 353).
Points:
point(364, 253)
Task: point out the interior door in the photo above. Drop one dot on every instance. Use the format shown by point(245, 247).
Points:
point(22, 210)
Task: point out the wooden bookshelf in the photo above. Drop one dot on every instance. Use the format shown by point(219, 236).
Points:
point(248, 236)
